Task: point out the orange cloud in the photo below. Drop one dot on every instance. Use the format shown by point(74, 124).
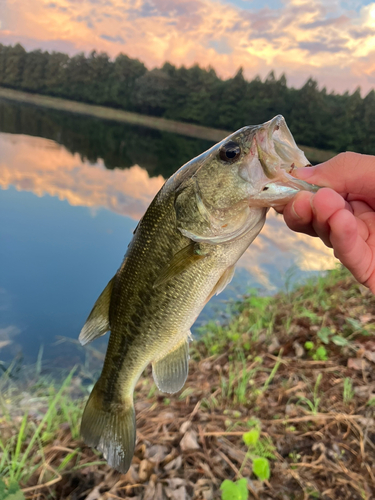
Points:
point(333, 41)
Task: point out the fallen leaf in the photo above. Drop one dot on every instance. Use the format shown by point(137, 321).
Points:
point(131, 477)
point(357, 364)
point(298, 349)
point(189, 441)
point(203, 489)
point(185, 426)
point(145, 469)
point(176, 482)
point(156, 453)
point(370, 356)
point(365, 318)
point(174, 464)
point(178, 494)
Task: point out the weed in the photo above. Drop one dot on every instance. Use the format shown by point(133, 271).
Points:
point(231, 490)
point(259, 450)
point(15, 461)
point(320, 354)
point(348, 391)
point(11, 491)
point(312, 404)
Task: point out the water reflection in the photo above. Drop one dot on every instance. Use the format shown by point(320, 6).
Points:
point(65, 223)
point(44, 167)
point(117, 145)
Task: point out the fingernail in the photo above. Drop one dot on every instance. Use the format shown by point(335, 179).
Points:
point(304, 173)
point(296, 216)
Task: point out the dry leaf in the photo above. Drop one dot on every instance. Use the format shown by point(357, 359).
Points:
point(176, 482)
point(357, 364)
point(365, 318)
point(145, 470)
point(156, 453)
point(298, 349)
point(150, 489)
point(185, 426)
point(178, 494)
point(274, 345)
point(174, 464)
point(189, 441)
point(370, 356)
point(131, 477)
point(203, 490)
point(95, 492)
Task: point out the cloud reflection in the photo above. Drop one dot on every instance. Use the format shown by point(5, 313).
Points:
point(44, 167)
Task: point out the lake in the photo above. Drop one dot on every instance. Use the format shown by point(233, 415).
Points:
point(72, 189)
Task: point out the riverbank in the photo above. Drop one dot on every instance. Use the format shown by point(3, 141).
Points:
point(106, 113)
point(288, 385)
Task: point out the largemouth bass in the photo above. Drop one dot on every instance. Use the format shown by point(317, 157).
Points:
point(183, 252)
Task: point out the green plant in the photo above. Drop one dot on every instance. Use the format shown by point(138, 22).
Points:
point(234, 490)
point(11, 492)
point(312, 404)
point(309, 345)
point(15, 458)
point(320, 354)
point(348, 392)
point(259, 450)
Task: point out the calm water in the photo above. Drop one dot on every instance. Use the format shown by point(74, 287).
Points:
point(72, 189)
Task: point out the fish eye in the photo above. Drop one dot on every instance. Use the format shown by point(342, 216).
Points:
point(230, 151)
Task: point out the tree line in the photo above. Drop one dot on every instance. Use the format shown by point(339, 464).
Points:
point(316, 118)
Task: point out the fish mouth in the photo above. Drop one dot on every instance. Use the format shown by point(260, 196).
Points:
point(277, 149)
point(277, 156)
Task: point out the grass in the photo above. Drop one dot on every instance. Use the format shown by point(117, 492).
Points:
point(261, 415)
point(106, 113)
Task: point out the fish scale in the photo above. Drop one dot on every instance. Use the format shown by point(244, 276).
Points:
point(183, 251)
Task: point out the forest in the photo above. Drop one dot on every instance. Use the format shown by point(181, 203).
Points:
point(317, 118)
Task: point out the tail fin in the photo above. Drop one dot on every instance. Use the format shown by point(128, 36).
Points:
point(112, 430)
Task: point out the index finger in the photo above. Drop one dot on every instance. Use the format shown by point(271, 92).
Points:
point(345, 173)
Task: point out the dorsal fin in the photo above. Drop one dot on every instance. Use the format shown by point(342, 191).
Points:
point(97, 324)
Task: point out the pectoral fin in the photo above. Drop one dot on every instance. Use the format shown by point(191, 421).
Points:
point(170, 372)
point(181, 261)
point(225, 279)
point(97, 324)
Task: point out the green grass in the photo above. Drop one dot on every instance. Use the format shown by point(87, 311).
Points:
point(15, 459)
point(24, 443)
point(245, 391)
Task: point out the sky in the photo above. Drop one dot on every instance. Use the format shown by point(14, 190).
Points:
point(331, 40)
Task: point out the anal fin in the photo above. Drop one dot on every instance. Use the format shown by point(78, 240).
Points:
point(170, 372)
point(97, 324)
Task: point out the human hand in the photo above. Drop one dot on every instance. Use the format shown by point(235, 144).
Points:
point(343, 213)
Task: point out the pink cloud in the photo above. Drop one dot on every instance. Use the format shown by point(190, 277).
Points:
point(301, 38)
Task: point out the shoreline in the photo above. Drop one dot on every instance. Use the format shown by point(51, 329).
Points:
point(107, 113)
point(283, 384)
